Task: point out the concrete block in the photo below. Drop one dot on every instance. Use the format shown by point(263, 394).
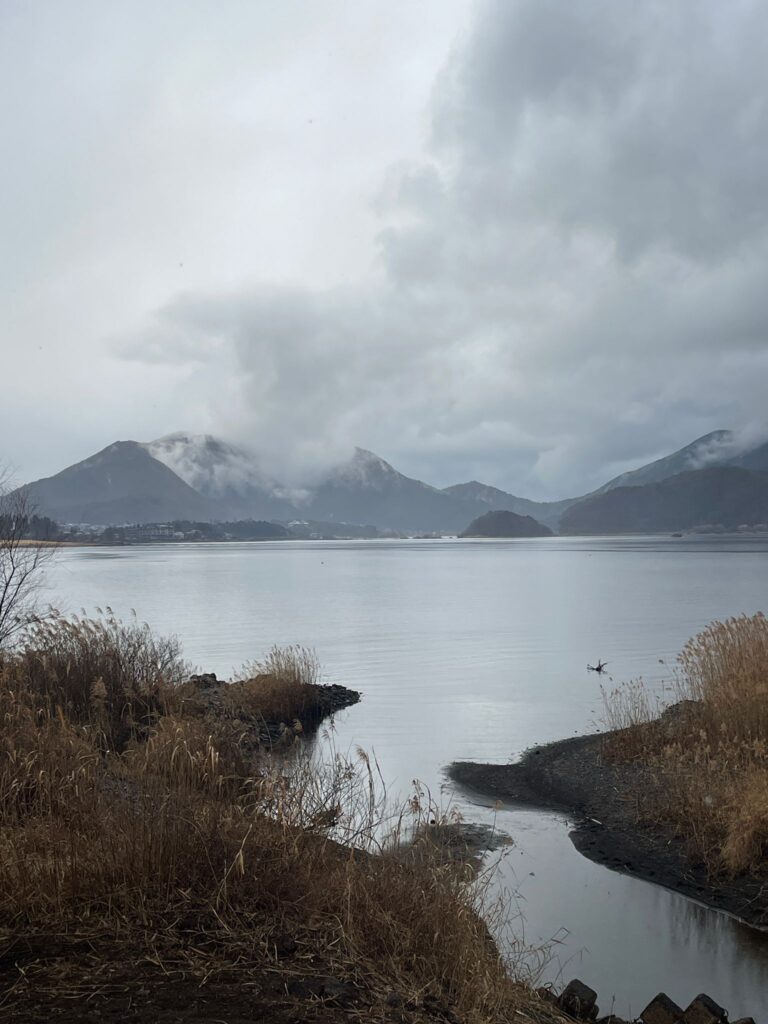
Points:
point(579, 1000)
point(662, 1010)
point(704, 1010)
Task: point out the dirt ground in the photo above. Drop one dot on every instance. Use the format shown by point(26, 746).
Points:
point(101, 979)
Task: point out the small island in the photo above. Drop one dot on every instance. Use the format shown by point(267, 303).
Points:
point(505, 524)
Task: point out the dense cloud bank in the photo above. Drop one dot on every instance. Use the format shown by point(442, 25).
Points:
point(573, 279)
point(569, 278)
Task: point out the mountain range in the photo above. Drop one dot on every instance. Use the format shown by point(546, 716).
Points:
point(199, 477)
point(725, 497)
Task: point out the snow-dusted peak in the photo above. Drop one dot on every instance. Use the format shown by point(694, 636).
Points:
point(370, 460)
point(210, 465)
point(716, 448)
point(364, 469)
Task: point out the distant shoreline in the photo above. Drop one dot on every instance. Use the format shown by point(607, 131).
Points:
point(570, 776)
point(743, 534)
point(29, 543)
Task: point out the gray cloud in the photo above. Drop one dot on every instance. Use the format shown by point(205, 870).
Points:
point(643, 123)
point(566, 278)
point(572, 280)
point(157, 150)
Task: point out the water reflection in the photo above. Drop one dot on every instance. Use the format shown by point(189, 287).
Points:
point(628, 938)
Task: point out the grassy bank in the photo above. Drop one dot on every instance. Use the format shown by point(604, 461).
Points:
point(153, 864)
point(705, 760)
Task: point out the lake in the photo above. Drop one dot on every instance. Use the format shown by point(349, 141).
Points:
point(476, 650)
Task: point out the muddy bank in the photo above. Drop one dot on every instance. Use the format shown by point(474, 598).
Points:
point(570, 777)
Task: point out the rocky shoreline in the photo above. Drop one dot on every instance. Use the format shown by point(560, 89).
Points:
point(570, 776)
point(206, 694)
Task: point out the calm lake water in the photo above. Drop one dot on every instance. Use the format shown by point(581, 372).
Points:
point(477, 650)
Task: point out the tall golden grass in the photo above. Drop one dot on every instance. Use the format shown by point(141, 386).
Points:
point(117, 677)
point(279, 686)
point(122, 815)
point(708, 755)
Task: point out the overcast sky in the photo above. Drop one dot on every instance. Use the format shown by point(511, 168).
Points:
point(523, 241)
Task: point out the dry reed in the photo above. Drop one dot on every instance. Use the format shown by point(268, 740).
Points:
point(279, 687)
point(708, 753)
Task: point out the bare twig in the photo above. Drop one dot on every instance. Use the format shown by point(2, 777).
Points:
point(22, 559)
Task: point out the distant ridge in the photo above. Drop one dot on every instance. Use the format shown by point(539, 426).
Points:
point(547, 512)
point(367, 489)
point(120, 484)
point(720, 447)
point(720, 497)
point(202, 478)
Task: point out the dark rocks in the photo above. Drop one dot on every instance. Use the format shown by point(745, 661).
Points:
point(704, 1010)
point(206, 695)
point(578, 1000)
point(329, 699)
point(205, 681)
point(662, 1010)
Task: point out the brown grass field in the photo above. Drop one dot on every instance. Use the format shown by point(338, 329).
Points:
point(153, 868)
point(708, 754)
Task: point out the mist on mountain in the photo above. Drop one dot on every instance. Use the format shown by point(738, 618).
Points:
point(204, 478)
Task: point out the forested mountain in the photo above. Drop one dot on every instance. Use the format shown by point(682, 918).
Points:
point(723, 496)
point(369, 490)
point(492, 498)
point(122, 483)
point(505, 524)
